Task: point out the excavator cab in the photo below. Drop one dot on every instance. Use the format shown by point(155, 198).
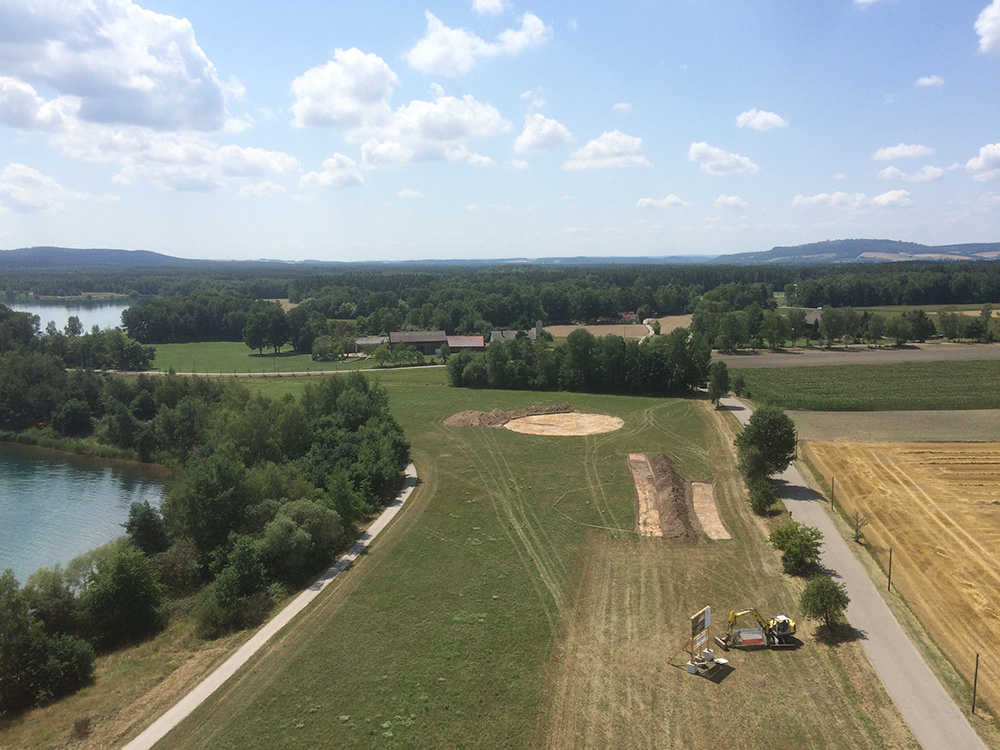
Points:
point(748, 628)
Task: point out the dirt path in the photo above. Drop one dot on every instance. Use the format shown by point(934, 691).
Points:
point(863, 356)
point(159, 728)
point(935, 719)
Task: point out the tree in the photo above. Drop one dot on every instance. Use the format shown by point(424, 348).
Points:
point(762, 495)
point(718, 381)
point(898, 329)
point(920, 324)
point(799, 545)
point(875, 330)
point(146, 529)
point(858, 521)
point(775, 328)
point(35, 668)
point(738, 383)
point(253, 332)
point(824, 599)
point(771, 432)
point(121, 603)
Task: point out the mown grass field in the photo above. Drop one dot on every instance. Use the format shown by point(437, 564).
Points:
point(889, 387)
point(511, 605)
point(236, 357)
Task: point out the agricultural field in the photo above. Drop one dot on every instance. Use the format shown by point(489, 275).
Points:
point(512, 604)
point(946, 385)
point(936, 506)
point(981, 425)
point(628, 330)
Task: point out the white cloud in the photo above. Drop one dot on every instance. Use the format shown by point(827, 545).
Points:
point(518, 164)
point(453, 52)
point(24, 190)
point(411, 194)
point(930, 81)
point(988, 28)
point(350, 91)
point(613, 149)
point(730, 201)
point(715, 161)
point(926, 174)
point(338, 171)
point(864, 3)
point(434, 131)
point(622, 107)
point(126, 65)
point(541, 134)
point(671, 201)
point(757, 119)
point(894, 198)
point(902, 151)
point(986, 166)
point(489, 7)
point(21, 107)
point(535, 97)
point(265, 189)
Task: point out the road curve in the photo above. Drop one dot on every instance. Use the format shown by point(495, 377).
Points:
point(159, 728)
point(934, 718)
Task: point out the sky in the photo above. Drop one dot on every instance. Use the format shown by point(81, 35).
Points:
point(345, 131)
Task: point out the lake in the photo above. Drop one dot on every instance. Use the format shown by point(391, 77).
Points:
point(55, 506)
point(103, 314)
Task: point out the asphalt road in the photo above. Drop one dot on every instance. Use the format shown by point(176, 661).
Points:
point(932, 715)
point(862, 355)
point(159, 728)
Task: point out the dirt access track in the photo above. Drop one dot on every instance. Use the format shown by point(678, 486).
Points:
point(937, 506)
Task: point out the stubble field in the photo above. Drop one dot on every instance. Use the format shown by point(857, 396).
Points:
point(937, 506)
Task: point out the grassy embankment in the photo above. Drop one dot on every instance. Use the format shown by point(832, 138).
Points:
point(904, 386)
point(512, 605)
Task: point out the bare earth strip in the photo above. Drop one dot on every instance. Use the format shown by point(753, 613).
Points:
point(937, 506)
point(647, 517)
point(863, 356)
point(899, 426)
point(566, 424)
point(705, 507)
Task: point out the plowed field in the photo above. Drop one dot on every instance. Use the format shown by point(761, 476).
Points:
point(937, 505)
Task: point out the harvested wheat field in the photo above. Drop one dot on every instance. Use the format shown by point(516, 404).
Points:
point(937, 505)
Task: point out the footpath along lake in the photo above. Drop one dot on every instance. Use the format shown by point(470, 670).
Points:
point(54, 507)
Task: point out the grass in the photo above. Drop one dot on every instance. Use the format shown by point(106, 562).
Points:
point(515, 557)
point(890, 387)
point(236, 357)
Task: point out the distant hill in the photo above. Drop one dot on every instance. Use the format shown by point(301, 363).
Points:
point(66, 258)
point(865, 251)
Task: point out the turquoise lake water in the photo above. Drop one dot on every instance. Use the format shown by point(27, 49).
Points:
point(102, 314)
point(54, 507)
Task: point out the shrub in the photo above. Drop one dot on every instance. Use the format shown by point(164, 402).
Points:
point(121, 603)
point(824, 599)
point(763, 495)
point(799, 545)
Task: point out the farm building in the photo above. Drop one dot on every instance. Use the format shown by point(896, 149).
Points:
point(470, 343)
point(426, 342)
point(507, 335)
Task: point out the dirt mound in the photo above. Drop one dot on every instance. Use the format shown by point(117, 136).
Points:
point(498, 418)
point(671, 500)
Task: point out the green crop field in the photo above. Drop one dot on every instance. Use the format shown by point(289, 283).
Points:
point(512, 605)
point(891, 387)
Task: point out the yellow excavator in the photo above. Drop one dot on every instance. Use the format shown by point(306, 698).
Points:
point(748, 628)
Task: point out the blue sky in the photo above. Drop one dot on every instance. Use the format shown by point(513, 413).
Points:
point(496, 128)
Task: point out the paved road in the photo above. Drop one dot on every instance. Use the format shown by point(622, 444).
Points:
point(933, 716)
point(862, 355)
point(159, 728)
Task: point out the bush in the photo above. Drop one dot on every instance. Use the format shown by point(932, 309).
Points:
point(824, 599)
point(763, 495)
point(771, 432)
point(799, 545)
point(121, 603)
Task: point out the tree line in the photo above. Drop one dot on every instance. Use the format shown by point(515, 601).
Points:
point(262, 493)
point(670, 364)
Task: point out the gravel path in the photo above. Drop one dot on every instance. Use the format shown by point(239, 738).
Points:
point(861, 355)
point(159, 728)
point(932, 715)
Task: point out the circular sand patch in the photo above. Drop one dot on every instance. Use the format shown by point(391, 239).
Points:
point(565, 424)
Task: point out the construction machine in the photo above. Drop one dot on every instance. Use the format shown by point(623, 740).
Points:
point(748, 628)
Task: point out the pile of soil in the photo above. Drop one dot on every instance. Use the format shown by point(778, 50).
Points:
point(498, 418)
point(671, 500)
